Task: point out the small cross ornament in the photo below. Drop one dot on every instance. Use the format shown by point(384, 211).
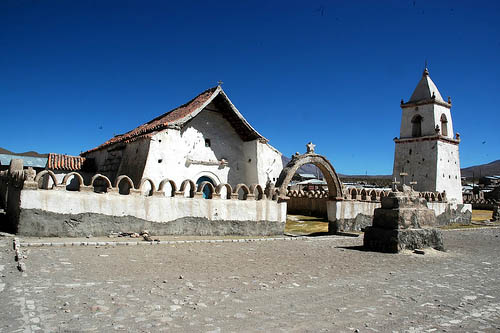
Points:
point(395, 185)
point(413, 183)
point(403, 175)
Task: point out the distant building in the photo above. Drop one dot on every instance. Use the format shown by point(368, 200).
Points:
point(37, 163)
point(490, 181)
point(312, 185)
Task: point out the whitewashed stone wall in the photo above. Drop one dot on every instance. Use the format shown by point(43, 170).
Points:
point(269, 163)
point(432, 162)
point(152, 208)
point(183, 154)
point(350, 215)
point(449, 176)
point(419, 161)
point(431, 114)
point(59, 212)
point(180, 154)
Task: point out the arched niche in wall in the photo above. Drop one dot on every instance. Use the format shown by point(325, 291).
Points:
point(416, 126)
point(444, 125)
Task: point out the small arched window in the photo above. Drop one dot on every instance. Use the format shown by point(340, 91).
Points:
point(416, 128)
point(444, 125)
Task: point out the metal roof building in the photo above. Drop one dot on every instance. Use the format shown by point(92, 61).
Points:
point(29, 161)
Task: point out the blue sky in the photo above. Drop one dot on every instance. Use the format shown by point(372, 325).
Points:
point(74, 73)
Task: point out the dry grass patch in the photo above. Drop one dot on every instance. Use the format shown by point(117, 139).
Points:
point(305, 225)
point(481, 215)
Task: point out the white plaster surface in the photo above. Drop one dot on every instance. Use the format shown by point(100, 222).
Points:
point(441, 207)
point(180, 154)
point(347, 209)
point(431, 114)
point(184, 155)
point(152, 208)
point(338, 210)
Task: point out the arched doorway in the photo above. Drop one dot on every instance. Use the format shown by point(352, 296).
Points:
point(206, 190)
point(331, 177)
point(335, 192)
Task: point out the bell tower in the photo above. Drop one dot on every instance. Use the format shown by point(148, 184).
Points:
point(426, 149)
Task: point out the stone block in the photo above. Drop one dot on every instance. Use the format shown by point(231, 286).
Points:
point(396, 240)
point(403, 218)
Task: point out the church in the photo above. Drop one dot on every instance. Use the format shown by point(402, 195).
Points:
point(206, 139)
point(426, 153)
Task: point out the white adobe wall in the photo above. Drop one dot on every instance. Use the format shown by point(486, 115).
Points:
point(133, 160)
point(181, 154)
point(433, 164)
point(349, 210)
point(441, 207)
point(419, 161)
point(431, 114)
point(48, 183)
point(426, 112)
point(269, 163)
point(152, 208)
point(438, 111)
point(448, 176)
point(176, 148)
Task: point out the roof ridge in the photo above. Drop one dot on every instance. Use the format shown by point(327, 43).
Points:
point(150, 126)
point(180, 106)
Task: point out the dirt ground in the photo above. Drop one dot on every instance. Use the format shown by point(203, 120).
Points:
point(310, 285)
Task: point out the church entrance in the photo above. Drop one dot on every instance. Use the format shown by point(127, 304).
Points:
point(206, 190)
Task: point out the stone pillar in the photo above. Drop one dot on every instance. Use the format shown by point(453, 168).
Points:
point(403, 222)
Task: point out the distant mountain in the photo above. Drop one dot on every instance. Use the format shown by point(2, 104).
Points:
point(27, 153)
point(312, 169)
point(482, 170)
point(308, 168)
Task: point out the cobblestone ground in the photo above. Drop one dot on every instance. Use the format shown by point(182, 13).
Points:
point(292, 286)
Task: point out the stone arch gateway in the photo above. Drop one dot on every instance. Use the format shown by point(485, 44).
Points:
point(331, 177)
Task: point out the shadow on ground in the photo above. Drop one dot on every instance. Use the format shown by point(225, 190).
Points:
point(354, 248)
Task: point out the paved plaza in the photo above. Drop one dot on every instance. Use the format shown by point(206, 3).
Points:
point(324, 284)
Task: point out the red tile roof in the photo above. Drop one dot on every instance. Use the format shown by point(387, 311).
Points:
point(180, 116)
point(64, 162)
point(160, 122)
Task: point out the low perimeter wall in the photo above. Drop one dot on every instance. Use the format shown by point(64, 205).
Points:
point(308, 206)
point(65, 213)
point(353, 215)
point(98, 208)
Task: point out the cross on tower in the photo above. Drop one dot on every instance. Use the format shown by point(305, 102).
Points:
point(403, 175)
point(220, 83)
point(395, 185)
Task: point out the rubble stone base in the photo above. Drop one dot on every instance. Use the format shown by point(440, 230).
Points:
point(396, 240)
point(35, 222)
